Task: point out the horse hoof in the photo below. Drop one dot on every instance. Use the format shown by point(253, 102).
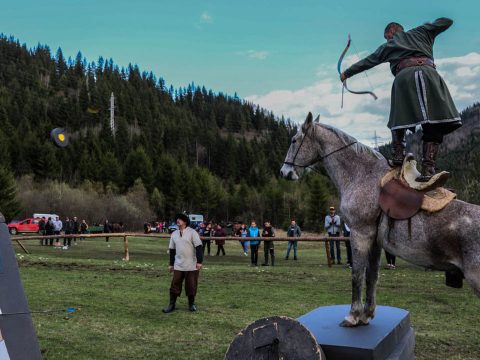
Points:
point(363, 322)
point(346, 323)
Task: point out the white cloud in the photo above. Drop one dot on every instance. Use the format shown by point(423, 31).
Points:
point(254, 54)
point(206, 18)
point(361, 116)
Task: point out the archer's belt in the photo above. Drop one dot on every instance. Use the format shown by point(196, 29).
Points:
point(414, 61)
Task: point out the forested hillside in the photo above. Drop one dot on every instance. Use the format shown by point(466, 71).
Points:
point(177, 148)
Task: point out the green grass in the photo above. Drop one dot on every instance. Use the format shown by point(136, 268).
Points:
point(121, 302)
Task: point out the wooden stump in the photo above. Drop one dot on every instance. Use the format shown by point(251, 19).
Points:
point(274, 338)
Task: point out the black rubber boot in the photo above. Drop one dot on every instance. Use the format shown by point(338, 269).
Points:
point(273, 259)
point(398, 147)
point(191, 304)
point(430, 153)
point(171, 305)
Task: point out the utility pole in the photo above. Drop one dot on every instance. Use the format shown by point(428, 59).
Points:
point(112, 114)
point(375, 139)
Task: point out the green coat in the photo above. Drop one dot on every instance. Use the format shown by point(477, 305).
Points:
point(419, 94)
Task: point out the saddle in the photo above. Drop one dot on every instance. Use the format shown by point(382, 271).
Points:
point(401, 197)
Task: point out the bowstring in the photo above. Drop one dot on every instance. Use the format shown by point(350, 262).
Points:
point(364, 72)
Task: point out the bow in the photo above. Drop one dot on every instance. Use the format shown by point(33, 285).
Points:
point(344, 86)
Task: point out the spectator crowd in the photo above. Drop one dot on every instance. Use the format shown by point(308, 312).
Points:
point(48, 226)
point(333, 225)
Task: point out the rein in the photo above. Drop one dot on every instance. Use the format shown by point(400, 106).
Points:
point(292, 163)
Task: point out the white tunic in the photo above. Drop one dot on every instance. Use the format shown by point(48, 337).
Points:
point(185, 243)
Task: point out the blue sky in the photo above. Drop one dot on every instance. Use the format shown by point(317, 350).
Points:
point(255, 48)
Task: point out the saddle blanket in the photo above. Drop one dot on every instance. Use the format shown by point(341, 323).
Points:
point(433, 201)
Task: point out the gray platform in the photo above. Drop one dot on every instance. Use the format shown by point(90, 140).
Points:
point(389, 335)
point(16, 327)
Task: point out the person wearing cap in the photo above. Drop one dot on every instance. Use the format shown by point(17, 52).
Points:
point(332, 225)
point(186, 257)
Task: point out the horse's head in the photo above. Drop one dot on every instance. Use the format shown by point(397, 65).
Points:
point(302, 152)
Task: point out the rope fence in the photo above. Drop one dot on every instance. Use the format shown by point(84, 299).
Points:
point(125, 236)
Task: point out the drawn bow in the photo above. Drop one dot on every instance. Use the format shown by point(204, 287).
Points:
point(345, 87)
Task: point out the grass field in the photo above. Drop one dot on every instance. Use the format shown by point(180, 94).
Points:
point(121, 303)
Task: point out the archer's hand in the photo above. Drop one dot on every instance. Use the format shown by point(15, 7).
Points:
point(343, 77)
point(170, 269)
point(199, 266)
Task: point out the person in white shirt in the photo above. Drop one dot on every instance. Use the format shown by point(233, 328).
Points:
point(57, 228)
point(186, 257)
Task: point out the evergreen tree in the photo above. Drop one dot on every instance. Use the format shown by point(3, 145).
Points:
point(122, 139)
point(157, 200)
point(138, 166)
point(9, 205)
point(317, 202)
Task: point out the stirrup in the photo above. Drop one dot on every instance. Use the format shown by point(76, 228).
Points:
point(439, 182)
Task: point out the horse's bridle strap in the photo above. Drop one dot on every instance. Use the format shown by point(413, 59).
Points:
point(292, 163)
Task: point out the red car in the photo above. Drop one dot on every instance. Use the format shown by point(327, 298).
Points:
point(29, 225)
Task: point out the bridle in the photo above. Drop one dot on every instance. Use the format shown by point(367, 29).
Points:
point(292, 163)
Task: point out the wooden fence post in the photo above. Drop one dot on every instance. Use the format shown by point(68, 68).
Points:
point(327, 248)
point(125, 244)
point(23, 247)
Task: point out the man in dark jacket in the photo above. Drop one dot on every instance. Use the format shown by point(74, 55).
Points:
point(268, 248)
point(220, 232)
point(293, 231)
point(75, 228)
point(41, 230)
point(68, 226)
point(419, 94)
point(49, 230)
point(107, 228)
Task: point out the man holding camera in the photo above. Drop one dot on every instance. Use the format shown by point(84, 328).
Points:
point(333, 225)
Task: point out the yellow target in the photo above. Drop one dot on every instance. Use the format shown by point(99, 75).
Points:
point(60, 137)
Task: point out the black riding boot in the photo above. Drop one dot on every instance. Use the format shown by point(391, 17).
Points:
point(266, 260)
point(191, 303)
point(398, 147)
point(430, 153)
point(272, 255)
point(171, 305)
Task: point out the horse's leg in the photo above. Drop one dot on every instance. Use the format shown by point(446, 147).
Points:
point(360, 249)
point(471, 260)
point(371, 282)
point(472, 275)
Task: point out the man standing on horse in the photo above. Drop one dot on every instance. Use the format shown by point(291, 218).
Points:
point(419, 94)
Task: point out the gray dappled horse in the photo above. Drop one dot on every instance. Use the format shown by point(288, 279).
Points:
point(446, 240)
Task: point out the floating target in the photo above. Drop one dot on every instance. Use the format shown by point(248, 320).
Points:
point(60, 137)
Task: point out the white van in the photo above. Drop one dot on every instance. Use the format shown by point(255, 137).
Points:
point(46, 216)
point(195, 220)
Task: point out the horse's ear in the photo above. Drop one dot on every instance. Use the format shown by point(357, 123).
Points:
point(308, 122)
point(317, 119)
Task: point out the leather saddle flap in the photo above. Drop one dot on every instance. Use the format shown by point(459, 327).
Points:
point(399, 201)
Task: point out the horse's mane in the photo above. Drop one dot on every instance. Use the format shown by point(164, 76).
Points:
point(358, 147)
